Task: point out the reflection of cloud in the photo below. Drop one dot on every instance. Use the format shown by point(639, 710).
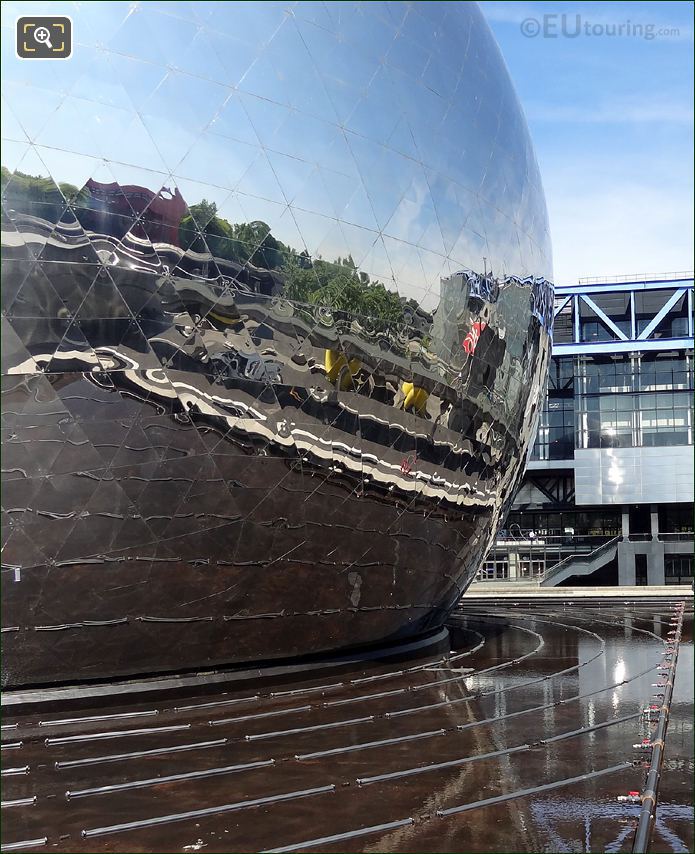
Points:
point(406, 223)
point(409, 219)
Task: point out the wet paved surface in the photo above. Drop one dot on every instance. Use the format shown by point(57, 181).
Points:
point(383, 757)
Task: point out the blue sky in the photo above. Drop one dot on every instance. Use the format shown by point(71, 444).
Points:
point(612, 121)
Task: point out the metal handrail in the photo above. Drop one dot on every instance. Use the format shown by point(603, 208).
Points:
point(528, 580)
point(555, 539)
point(636, 277)
point(586, 557)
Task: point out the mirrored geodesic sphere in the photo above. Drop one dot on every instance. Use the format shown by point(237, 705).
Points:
point(276, 312)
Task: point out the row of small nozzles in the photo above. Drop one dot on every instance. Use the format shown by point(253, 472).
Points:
point(653, 710)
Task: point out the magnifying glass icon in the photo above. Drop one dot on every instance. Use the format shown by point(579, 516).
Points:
point(43, 36)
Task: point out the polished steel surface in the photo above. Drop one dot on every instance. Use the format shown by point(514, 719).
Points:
point(276, 319)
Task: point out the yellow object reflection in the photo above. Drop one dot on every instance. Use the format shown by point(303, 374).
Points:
point(415, 398)
point(338, 366)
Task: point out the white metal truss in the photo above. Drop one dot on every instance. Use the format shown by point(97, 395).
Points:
point(663, 311)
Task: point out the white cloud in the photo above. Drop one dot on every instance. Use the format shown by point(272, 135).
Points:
point(618, 112)
point(630, 16)
point(627, 227)
point(612, 125)
point(509, 13)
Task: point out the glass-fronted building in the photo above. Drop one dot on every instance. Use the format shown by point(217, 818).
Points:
point(608, 493)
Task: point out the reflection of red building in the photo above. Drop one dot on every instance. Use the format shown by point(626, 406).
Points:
point(163, 211)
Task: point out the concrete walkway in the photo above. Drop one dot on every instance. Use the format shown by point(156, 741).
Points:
point(514, 589)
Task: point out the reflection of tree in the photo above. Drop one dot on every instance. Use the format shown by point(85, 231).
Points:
point(336, 284)
point(203, 231)
point(39, 196)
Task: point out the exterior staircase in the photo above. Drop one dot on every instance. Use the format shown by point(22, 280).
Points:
point(581, 564)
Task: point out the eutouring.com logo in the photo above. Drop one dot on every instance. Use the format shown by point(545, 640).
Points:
point(563, 26)
point(44, 37)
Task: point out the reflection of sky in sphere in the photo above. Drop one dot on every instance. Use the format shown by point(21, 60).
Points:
point(221, 221)
point(391, 134)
